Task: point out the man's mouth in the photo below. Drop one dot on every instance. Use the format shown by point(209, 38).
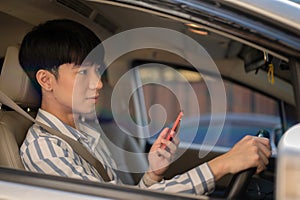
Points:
point(95, 98)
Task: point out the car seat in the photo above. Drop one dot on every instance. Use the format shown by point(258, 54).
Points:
point(13, 127)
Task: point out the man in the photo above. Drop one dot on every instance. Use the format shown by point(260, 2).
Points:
point(52, 55)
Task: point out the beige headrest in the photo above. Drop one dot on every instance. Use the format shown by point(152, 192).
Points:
point(14, 81)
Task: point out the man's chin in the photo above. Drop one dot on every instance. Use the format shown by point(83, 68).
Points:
point(89, 113)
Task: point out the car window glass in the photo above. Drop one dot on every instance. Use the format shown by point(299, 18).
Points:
point(247, 110)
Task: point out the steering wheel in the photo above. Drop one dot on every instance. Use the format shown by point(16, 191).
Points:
point(241, 180)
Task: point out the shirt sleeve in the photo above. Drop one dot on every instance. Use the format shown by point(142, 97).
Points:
point(199, 180)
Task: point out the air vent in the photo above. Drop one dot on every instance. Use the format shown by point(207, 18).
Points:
point(77, 6)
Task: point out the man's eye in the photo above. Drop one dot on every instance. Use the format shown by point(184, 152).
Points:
point(99, 71)
point(84, 72)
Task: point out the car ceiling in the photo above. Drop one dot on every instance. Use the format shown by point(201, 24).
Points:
point(34, 13)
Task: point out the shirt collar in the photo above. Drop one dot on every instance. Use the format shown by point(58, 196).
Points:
point(90, 132)
point(84, 132)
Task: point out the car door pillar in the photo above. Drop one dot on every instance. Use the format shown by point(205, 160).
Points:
point(295, 78)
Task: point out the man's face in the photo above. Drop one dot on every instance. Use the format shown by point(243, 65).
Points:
point(77, 87)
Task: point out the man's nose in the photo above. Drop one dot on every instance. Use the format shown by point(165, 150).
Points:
point(95, 81)
point(100, 84)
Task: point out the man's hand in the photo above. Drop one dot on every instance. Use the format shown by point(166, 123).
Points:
point(249, 152)
point(159, 158)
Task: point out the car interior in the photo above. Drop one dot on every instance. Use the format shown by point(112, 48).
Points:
point(252, 86)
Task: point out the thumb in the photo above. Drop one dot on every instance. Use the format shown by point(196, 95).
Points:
point(164, 133)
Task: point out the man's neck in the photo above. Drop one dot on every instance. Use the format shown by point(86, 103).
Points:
point(63, 114)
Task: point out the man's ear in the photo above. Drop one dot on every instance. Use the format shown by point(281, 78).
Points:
point(45, 78)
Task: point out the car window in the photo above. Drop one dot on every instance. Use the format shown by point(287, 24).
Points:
point(247, 110)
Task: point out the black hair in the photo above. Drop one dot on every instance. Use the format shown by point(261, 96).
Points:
point(54, 43)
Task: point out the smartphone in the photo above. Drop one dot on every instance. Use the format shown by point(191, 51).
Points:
point(175, 128)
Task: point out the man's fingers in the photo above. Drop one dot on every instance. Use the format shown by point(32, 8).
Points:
point(264, 153)
point(264, 158)
point(261, 167)
point(264, 147)
point(264, 141)
point(176, 140)
point(167, 155)
point(170, 145)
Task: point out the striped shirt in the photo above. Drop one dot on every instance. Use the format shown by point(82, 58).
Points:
point(46, 153)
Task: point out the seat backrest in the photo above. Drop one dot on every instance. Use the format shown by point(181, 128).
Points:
point(13, 127)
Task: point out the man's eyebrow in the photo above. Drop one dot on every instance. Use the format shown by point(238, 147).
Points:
point(76, 66)
point(80, 66)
